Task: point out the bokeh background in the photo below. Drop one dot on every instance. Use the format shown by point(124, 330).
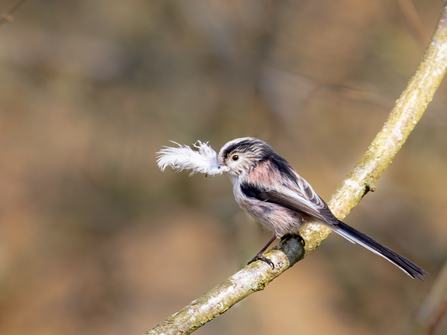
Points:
point(95, 239)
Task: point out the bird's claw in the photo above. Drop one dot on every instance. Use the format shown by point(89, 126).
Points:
point(264, 259)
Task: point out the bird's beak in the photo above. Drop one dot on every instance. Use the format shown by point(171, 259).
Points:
point(223, 167)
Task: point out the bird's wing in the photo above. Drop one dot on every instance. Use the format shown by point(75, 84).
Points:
point(295, 194)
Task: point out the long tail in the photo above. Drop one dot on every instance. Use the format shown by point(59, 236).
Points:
point(401, 262)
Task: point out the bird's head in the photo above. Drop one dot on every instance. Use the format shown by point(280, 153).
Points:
point(241, 155)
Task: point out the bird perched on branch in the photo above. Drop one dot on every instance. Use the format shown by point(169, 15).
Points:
point(270, 190)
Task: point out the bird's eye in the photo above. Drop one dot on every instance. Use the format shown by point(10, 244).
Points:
point(235, 157)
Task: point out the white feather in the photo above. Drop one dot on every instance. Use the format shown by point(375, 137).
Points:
point(184, 158)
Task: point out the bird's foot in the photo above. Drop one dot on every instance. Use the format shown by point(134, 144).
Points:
point(264, 259)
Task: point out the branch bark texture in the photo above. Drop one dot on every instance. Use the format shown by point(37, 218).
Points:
point(403, 118)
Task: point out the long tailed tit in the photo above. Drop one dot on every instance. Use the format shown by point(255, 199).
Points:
point(270, 190)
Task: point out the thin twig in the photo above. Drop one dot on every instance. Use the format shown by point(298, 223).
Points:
point(414, 21)
point(433, 309)
point(403, 118)
point(438, 317)
point(7, 15)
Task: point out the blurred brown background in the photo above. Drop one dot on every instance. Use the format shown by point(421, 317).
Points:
point(95, 239)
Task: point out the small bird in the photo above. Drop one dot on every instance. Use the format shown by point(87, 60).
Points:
point(267, 187)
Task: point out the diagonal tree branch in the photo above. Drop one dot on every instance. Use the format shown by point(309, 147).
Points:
point(403, 118)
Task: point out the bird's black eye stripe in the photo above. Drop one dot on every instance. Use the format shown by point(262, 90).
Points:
point(242, 146)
